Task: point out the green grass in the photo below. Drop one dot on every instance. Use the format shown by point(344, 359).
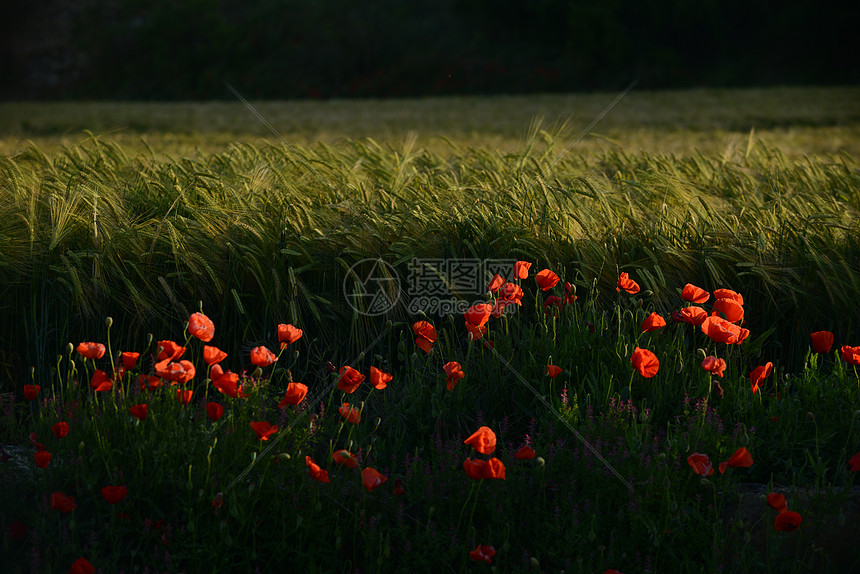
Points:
point(196, 205)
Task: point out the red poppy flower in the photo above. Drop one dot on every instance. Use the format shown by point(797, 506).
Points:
point(546, 279)
point(349, 379)
point(521, 269)
point(178, 372)
point(628, 284)
point(212, 355)
point(693, 315)
point(149, 382)
point(379, 379)
point(16, 530)
point(371, 478)
point(483, 552)
point(701, 464)
point(482, 440)
point(509, 294)
point(63, 503)
point(645, 362)
point(495, 283)
point(653, 322)
point(288, 334)
point(350, 413)
point(777, 502)
point(184, 396)
point(476, 333)
point(221, 376)
point(398, 487)
point(454, 374)
point(493, 469)
point(569, 296)
point(730, 308)
point(729, 294)
point(31, 392)
point(201, 326)
point(43, 458)
point(742, 458)
point(552, 304)
point(502, 304)
point(822, 341)
point(262, 357)
point(720, 330)
point(787, 521)
point(476, 317)
point(854, 463)
point(714, 365)
point(214, 411)
point(474, 468)
point(851, 355)
point(525, 453)
point(694, 294)
point(759, 374)
point(345, 458)
point(101, 381)
point(60, 429)
point(81, 566)
point(169, 351)
point(139, 411)
point(425, 335)
point(228, 384)
point(263, 429)
point(552, 371)
point(129, 360)
point(296, 393)
point(315, 471)
point(91, 350)
point(114, 494)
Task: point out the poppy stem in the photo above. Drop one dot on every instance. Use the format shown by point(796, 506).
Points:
point(474, 490)
point(109, 323)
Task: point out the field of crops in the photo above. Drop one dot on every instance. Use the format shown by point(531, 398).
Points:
point(416, 298)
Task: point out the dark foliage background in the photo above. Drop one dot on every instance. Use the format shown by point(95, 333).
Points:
point(168, 49)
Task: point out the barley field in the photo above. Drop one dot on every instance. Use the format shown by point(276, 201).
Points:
point(647, 350)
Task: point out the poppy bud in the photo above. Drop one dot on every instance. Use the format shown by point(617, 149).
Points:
point(109, 322)
point(540, 461)
point(378, 420)
point(810, 417)
point(70, 349)
point(702, 354)
point(81, 446)
point(285, 455)
point(534, 562)
point(706, 482)
point(149, 339)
